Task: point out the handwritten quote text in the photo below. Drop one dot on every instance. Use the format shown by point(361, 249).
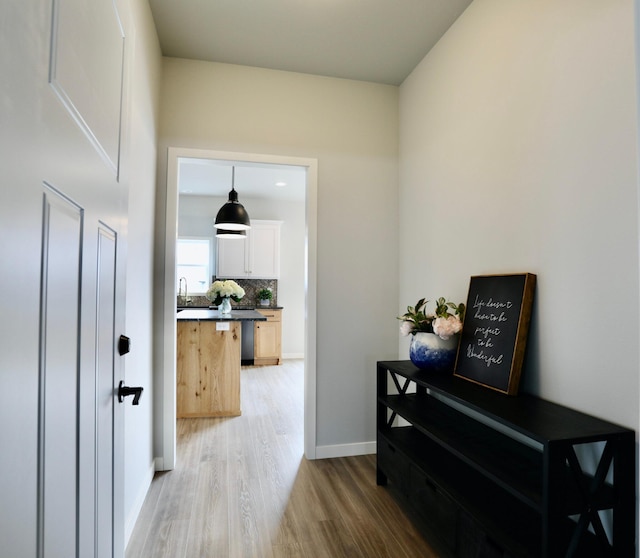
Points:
point(491, 315)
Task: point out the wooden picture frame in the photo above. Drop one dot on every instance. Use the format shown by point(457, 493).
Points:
point(495, 330)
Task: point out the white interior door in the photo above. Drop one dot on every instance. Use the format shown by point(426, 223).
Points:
point(63, 203)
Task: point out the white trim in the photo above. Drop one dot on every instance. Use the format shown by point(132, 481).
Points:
point(168, 415)
point(292, 356)
point(345, 450)
point(636, 13)
point(311, 276)
point(167, 425)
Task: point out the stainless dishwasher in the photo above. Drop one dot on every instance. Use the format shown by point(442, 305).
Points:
point(246, 348)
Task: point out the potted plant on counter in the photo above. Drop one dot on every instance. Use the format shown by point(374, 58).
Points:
point(265, 296)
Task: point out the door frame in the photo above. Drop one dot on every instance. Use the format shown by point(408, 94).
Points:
point(168, 364)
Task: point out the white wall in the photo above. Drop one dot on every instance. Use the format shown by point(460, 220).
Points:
point(196, 215)
point(351, 128)
point(145, 91)
point(518, 153)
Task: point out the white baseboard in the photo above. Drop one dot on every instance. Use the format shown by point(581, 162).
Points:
point(345, 450)
point(292, 355)
point(130, 522)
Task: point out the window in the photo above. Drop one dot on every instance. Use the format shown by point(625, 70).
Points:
point(193, 262)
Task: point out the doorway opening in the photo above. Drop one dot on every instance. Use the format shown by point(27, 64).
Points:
point(168, 389)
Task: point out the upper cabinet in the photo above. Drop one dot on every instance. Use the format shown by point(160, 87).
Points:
point(256, 257)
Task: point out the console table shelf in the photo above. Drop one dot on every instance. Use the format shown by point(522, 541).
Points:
point(485, 468)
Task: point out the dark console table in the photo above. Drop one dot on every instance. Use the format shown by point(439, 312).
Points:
point(504, 474)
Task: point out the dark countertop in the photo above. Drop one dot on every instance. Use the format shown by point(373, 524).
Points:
point(205, 314)
point(233, 307)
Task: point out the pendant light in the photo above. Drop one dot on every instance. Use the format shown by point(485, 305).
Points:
point(223, 233)
point(232, 216)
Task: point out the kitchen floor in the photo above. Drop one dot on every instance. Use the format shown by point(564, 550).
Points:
point(242, 488)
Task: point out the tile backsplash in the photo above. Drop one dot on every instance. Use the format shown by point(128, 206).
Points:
point(251, 288)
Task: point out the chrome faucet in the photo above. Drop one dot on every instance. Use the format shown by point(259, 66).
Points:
point(183, 298)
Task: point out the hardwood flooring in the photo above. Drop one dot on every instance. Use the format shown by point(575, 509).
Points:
point(242, 488)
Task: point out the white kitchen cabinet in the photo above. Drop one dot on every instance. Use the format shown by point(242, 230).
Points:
point(256, 257)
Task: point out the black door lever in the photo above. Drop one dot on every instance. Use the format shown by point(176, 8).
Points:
point(124, 391)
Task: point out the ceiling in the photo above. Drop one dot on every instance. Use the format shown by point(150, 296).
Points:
point(379, 41)
point(369, 40)
point(209, 177)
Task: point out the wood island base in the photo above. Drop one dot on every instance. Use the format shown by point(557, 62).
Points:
point(208, 369)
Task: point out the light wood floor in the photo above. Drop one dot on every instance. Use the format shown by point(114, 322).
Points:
point(242, 488)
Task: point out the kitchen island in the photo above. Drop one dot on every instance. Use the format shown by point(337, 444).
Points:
point(208, 362)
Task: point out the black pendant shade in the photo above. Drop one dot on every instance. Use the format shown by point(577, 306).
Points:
point(232, 216)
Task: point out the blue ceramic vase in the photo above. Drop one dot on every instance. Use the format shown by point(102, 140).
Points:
point(429, 352)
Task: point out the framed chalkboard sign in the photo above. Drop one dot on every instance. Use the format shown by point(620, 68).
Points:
point(495, 330)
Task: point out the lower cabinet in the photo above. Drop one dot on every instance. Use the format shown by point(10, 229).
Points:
point(498, 476)
point(434, 505)
point(207, 369)
point(267, 338)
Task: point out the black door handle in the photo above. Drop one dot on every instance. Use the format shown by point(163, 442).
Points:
point(124, 391)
